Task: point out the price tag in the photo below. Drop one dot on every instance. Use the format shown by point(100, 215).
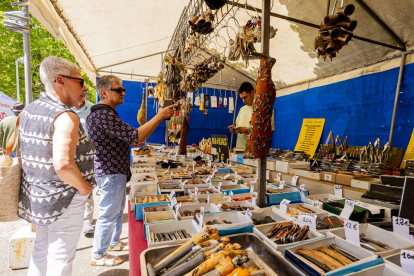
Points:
point(302, 195)
point(407, 261)
point(348, 209)
point(307, 219)
point(201, 216)
point(316, 204)
point(267, 174)
point(279, 176)
point(209, 182)
point(328, 177)
point(254, 196)
point(219, 206)
point(186, 169)
point(302, 186)
point(173, 202)
point(282, 184)
point(352, 232)
point(401, 227)
point(284, 205)
point(219, 187)
point(176, 209)
point(172, 194)
point(208, 197)
point(231, 193)
point(295, 180)
point(203, 166)
point(338, 190)
point(195, 193)
point(373, 210)
point(209, 163)
point(215, 168)
point(190, 194)
point(251, 186)
point(248, 213)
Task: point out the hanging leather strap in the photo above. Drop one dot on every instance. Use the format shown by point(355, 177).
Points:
point(10, 143)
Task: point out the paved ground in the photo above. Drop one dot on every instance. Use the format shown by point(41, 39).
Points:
point(81, 264)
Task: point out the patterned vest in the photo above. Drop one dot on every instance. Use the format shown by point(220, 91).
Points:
point(43, 195)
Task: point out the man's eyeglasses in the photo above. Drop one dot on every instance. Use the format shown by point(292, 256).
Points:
point(119, 90)
point(81, 81)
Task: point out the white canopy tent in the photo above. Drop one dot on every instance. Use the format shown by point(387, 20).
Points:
point(129, 38)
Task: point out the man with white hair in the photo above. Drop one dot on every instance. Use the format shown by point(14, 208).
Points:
point(57, 161)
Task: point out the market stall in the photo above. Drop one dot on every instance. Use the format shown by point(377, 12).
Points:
point(335, 207)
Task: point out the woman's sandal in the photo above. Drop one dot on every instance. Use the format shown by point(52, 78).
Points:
point(107, 260)
point(120, 246)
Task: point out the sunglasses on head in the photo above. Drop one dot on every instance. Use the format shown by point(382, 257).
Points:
point(81, 81)
point(119, 90)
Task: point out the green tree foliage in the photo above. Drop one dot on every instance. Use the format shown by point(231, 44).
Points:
point(43, 44)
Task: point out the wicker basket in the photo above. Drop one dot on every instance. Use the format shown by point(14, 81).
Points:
point(10, 178)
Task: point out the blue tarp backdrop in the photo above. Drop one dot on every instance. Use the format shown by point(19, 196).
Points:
point(201, 126)
point(360, 108)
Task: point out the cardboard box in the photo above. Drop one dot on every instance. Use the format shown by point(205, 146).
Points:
point(344, 179)
point(271, 165)
point(364, 183)
point(305, 173)
point(329, 176)
point(285, 166)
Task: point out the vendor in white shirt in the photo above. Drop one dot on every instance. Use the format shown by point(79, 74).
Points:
point(246, 92)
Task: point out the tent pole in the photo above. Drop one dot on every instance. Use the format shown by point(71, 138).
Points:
point(27, 62)
point(265, 50)
point(234, 117)
point(146, 104)
point(17, 81)
point(397, 95)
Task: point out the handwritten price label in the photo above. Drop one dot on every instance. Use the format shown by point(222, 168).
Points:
point(279, 176)
point(348, 209)
point(267, 174)
point(282, 184)
point(401, 227)
point(295, 180)
point(352, 232)
point(407, 261)
point(307, 219)
point(284, 205)
point(316, 204)
point(338, 190)
point(248, 213)
point(173, 202)
point(201, 217)
point(196, 194)
point(251, 186)
point(254, 196)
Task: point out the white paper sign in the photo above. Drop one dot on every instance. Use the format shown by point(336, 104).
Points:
point(201, 216)
point(215, 168)
point(251, 186)
point(248, 213)
point(167, 170)
point(254, 198)
point(219, 206)
point(407, 261)
point(279, 176)
point(348, 209)
point(196, 194)
point(213, 151)
point(307, 219)
point(338, 190)
point(302, 195)
point(176, 208)
point(173, 202)
point(282, 184)
point(401, 227)
point(316, 204)
point(352, 232)
point(208, 197)
point(172, 194)
point(231, 193)
point(328, 177)
point(284, 205)
point(186, 169)
point(209, 163)
point(267, 174)
point(295, 180)
point(302, 186)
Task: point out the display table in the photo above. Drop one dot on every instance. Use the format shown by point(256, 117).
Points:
point(137, 242)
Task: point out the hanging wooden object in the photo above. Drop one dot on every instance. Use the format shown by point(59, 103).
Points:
point(142, 113)
point(335, 32)
point(260, 132)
